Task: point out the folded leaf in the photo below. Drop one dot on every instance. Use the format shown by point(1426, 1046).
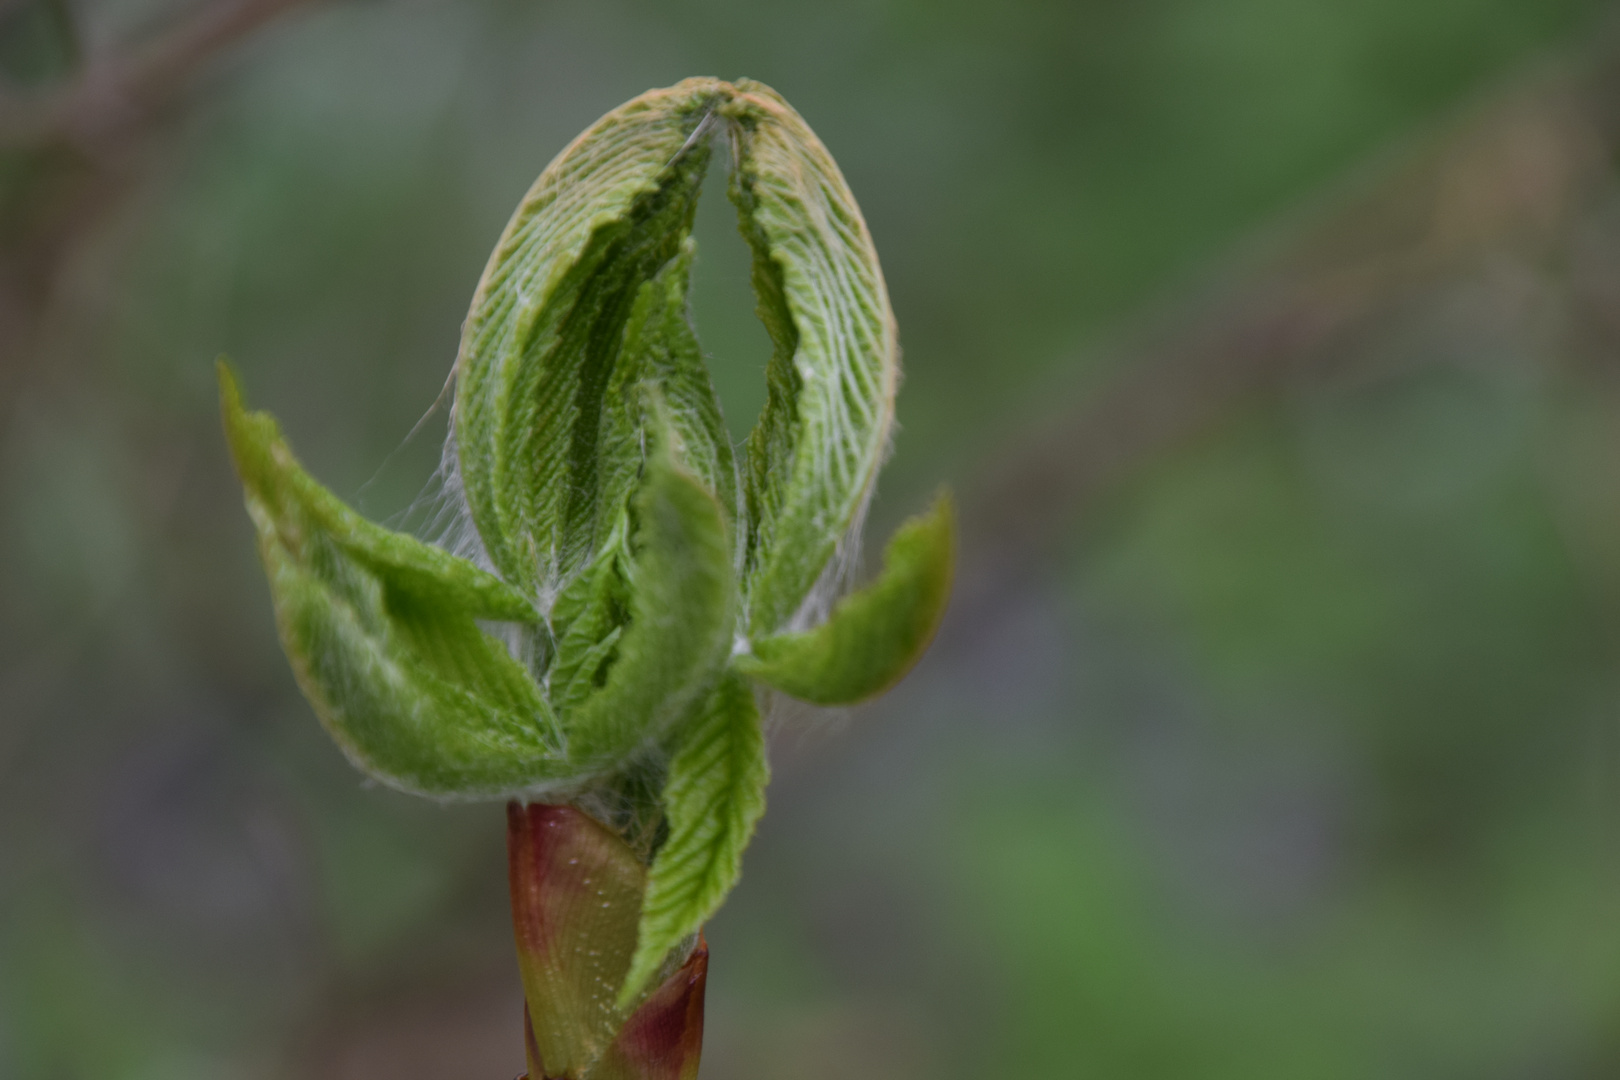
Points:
point(814, 454)
point(547, 324)
point(660, 380)
point(713, 798)
point(873, 636)
point(682, 599)
point(381, 631)
point(588, 619)
point(661, 352)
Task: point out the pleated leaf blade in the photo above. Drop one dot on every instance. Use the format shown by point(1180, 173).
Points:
point(713, 799)
point(547, 323)
point(813, 457)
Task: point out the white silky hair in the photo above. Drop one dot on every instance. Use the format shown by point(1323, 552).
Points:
point(441, 505)
point(444, 518)
point(451, 526)
point(836, 578)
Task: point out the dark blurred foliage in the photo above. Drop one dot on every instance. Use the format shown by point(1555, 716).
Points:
point(1272, 345)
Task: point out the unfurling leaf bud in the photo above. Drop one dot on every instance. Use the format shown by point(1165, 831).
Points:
point(645, 570)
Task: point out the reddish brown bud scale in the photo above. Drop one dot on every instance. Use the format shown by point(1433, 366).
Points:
point(576, 899)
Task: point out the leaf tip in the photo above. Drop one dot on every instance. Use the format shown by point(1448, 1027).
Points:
point(231, 409)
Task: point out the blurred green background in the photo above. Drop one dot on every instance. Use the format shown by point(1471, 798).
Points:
point(1273, 347)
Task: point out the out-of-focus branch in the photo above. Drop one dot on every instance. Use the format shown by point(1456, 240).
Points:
point(76, 149)
point(1509, 181)
point(117, 92)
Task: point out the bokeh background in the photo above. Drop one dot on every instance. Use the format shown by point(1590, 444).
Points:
point(1272, 346)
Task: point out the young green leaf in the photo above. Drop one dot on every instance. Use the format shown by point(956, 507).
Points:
point(659, 382)
point(661, 351)
point(682, 592)
point(873, 636)
point(714, 797)
point(547, 327)
point(381, 632)
point(814, 455)
point(588, 619)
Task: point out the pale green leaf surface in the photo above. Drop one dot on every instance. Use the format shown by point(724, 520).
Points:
point(547, 326)
point(714, 797)
point(380, 630)
point(875, 635)
point(814, 455)
point(682, 599)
